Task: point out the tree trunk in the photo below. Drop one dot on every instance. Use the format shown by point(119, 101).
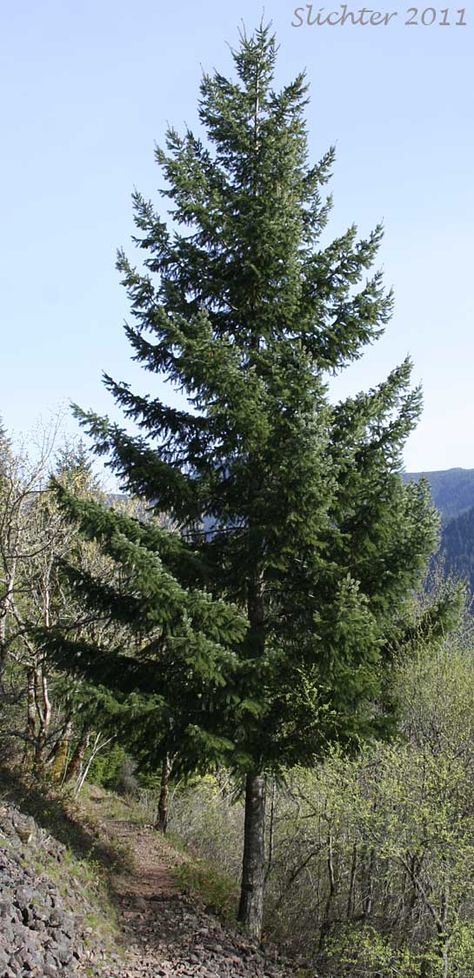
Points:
point(97, 746)
point(75, 764)
point(350, 898)
point(60, 755)
point(30, 718)
point(43, 710)
point(5, 609)
point(326, 921)
point(253, 866)
point(368, 884)
point(162, 820)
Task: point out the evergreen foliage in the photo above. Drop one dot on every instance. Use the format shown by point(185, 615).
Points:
point(266, 621)
point(452, 490)
point(158, 678)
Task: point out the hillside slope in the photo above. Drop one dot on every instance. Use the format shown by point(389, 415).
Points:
point(54, 925)
point(457, 547)
point(453, 495)
point(452, 489)
point(53, 917)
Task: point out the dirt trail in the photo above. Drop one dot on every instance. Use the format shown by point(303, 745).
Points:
point(168, 934)
point(150, 876)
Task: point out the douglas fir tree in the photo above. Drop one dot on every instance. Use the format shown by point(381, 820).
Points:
point(270, 617)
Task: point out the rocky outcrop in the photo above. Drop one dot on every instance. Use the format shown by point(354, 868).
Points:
point(38, 935)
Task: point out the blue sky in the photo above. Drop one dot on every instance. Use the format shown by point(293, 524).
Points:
point(87, 89)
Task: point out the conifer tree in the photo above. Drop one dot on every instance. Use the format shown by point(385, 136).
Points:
point(291, 511)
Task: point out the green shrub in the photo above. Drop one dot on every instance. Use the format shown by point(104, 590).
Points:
point(107, 767)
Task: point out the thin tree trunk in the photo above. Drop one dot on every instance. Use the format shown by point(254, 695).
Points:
point(443, 934)
point(368, 885)
point(271, 831)
point(59, 756)
point(98, 745)
point(162, 820)
point(30, 717)
point(75, 764)
point(43, 709)
point(326, 921)
point(350, 898)
point(253, 865)
point(5, 609)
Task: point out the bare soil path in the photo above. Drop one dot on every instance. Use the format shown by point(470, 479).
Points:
point(168, 933)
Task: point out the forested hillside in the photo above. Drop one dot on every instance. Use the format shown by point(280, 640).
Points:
point(452, 489)
point(453, 495)
point(457, 547)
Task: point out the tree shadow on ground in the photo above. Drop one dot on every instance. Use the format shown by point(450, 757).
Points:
point(55, 814)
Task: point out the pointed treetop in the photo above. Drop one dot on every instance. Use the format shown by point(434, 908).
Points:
point(256, 55)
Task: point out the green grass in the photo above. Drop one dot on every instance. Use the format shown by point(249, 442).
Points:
point(217, 891)
point(94, 801)
point(83, 887)
point(82, 876)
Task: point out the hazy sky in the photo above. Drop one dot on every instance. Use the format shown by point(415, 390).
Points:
point(87, 87)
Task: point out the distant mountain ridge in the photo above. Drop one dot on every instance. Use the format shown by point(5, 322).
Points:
point(453, 495)
point(452, 489)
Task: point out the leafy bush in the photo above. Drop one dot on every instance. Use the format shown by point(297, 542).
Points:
point(370, 860)
point(207, 814)
point(107, 767)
